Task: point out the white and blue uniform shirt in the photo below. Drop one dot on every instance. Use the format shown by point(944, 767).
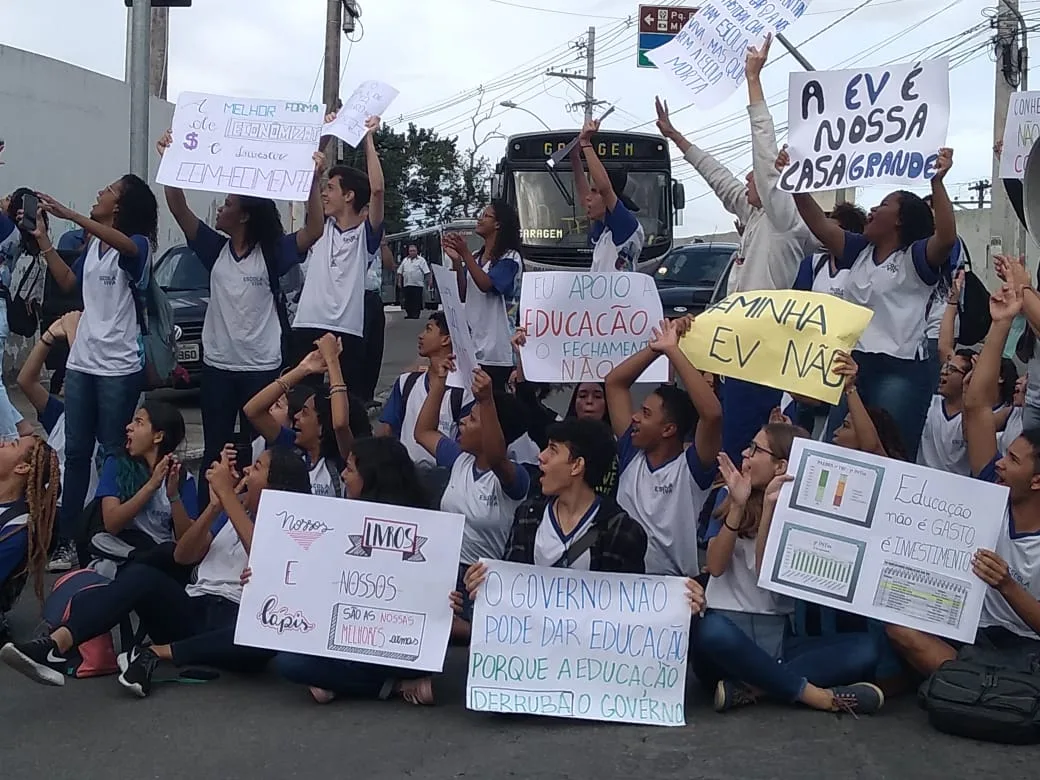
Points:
point(617, 241)
point(156, 519)
point(220, 572)
point(492, 315)
point(401, 415)
point(823, 280)
point(550, 542)
point(943, 446)
point(324, 472)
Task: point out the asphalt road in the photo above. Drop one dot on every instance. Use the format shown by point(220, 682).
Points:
point(263, 728)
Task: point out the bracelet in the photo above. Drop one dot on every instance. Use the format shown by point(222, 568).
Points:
point(43, 338)
point(282, 384)
point(585, 146)
point(340, 389)
point(337, 387)
point(175, 499)
point(734, 530)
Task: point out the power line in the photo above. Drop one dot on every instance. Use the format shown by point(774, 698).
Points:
point(553, 10)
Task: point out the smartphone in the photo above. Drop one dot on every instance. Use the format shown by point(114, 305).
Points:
point(243, 452)
point(30, 205)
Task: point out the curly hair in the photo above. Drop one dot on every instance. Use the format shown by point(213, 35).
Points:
point(43, 487)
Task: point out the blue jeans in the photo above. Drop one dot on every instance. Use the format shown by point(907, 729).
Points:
point(722, 651)
point(745, 409)
point(224, 393)
point(97, 408)
point(898, 386)
point(344, 678)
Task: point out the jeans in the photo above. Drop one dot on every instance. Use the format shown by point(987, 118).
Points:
point(722, 651)
point(745, 409)
point(97, 408)
point(375, 331)
point(900, 387)
point(199, 629)
point(351, 359)
point(344, 678)
point(224, 393)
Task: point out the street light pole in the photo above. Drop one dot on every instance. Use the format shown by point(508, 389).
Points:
point(140, 66)
point(514, 106)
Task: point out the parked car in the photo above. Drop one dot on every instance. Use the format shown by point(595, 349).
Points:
point(688, 277)
point(186, 282)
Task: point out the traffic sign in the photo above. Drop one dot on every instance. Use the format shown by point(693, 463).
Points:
point(658, 24)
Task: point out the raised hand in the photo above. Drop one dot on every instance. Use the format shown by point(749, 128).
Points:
point(474, 578)
point(319, 160)
point(173, 477)
point(330, 347)
point(665, 336)
point(738, 485)
point(482, 388)
point(51, 206)
point(162, 468)
point(756, 58)
point(314, 363)
point(165, 142)
point(943, 163)
point(774, 487)
point(664, 121)
point(783, 159)
point(590, 128)
point(845, 366)
point(372, 124)
point(1005, 304)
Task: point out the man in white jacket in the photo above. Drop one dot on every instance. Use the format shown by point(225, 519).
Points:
point(772, 246)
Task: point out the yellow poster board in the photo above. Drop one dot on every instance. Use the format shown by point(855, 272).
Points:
point(780, 338)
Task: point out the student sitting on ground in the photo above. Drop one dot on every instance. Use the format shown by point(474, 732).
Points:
point(663, 482)
point(1011, 610)
point(485, 486)
point(742, 648)
point(29, 489)
point(187, 625)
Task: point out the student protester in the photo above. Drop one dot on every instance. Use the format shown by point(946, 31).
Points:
point(1010, 619)
point(489, 285)
point(615, 235)
point(105, 368)
point(323, 429)
point(378, 470)
point(937, 305)
point(893, 269)
point(413, 276)
point(485, 486)
point(246, 253)
point(866, 429)
point(411, 390)
point(664, 483)
point(193, 625)
point(29, 490)
point(332, 300)
point(375, 322)
point(742, 647)
point(773, 244)
point(1010, 419)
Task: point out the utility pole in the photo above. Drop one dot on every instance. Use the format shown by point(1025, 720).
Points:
point(588, 79)
point(333, 38)
point(159, 59)
point(981, 187)
point(141, 39)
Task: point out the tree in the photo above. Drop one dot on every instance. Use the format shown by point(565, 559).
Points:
point(471, 190)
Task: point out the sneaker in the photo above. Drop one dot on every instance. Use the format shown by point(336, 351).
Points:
point(123, 660)
point(39, 660)
point(858, 699)
point(732, 694)
point(137, 677)
point(64, 558)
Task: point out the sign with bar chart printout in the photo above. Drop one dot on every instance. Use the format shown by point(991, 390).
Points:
point(882, 538)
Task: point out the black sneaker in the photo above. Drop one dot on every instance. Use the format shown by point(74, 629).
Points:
point(732, 694)
point(137, 676)
point(858, 698)
point(39, 660)
point(64, 558)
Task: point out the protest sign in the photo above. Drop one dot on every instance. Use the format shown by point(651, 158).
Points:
point(372, 98)
point(576, 644)
point(351, 580)
point(784, 339)
point(868, 126)
point(883, 538)
point(243, 146)
point(458, 327)
point(708, 54)
point(1020, 133)
point(581, 325)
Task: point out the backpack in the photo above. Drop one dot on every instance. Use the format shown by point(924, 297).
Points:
point(281, 304)
point(11, 588)
point(155, 318)
point(23, 307)
point(455, 394)
point(985, 696)
point(973, 310)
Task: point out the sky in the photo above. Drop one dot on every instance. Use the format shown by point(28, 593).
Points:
point(439, 52)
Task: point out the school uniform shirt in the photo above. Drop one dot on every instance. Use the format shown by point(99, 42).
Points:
point(897, 290)
point(550, 542)
point(52, 420)
point(815, 275)
point(1021, 552)
point(333, 296)
point(401, 415)
point(324, 472)
point(487, 504)
point(241, 331)
point(108, 341)
point(10, 247)
point(937, 303)
point(413, 271)
point(492, 315)
point(220, 572)
point(736, 589)
point(374, 272)
point(942, 441)
point(666, 501)
point(1012, 429)
point(156, 519)
point(617, 241)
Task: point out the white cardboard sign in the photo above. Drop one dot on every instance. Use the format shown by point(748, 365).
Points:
point(458, 327)
point(371, 98)
point(1020, 133)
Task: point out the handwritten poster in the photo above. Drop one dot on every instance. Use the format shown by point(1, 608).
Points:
point(784, 339)
point(244, 146)
point(581, 325)
point(708, 55)
point(351, 580)
point(858, 128)
point(1020, 133)
point(371, 98)
point(458, 327)
point(574, 644)
point(883, 538)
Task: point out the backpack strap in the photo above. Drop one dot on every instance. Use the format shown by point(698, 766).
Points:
point(13, 512)
point(336, 479)
point(824, 258)
point(409, 385)
point(456, 403)
point(578, 549)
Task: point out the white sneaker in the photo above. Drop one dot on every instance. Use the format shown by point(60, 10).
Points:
point(64, 558)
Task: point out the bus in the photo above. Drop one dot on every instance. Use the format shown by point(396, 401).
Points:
point(428, 242)
point(553, 224)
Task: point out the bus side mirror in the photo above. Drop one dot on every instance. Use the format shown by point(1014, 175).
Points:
point(496, 186)
point(678, 195)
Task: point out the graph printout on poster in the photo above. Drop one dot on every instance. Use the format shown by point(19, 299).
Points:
point(882, 538)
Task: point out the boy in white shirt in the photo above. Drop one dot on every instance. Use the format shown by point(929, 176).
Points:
point(1011, 611)
point(942, 440)
point(664, 480)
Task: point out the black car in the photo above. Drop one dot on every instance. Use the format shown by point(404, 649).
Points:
point(186, 282)
point(688, 275)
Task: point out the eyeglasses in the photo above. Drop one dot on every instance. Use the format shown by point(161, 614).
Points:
point(949, 367)
point(755, 447)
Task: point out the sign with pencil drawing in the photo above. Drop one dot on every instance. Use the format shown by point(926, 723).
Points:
point(882, 538)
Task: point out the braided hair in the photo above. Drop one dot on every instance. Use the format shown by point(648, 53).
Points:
point(43, 486)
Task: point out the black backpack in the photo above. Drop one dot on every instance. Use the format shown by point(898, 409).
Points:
point(281, 305)
point(23, 313)
point(455, 395)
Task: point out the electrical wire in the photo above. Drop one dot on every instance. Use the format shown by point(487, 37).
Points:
point(553, 10)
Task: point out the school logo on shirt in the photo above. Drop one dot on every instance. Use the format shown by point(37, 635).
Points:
point(664, 489)
point(1018, 577)
point(390, 536)
point(255, 281)
point(345, 248)
point(282, 619)
point(321, 490)
point(491, 499)
point(892, 266)
point(107, 279)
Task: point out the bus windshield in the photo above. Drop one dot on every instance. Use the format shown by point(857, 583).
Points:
point(548, 221)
